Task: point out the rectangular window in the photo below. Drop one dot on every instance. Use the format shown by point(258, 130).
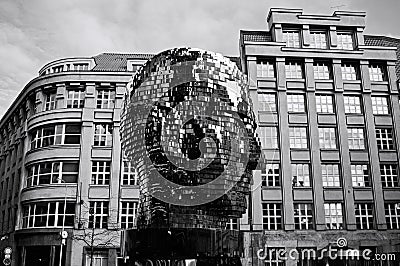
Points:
point(51, 101)
point(303, 216)
point(321, 70)
point(52, 173)
point(392, 214)
point(389, 175)
point(360, 175)
point(301, 175)
point(274, 256)
point(271, 176)
point(55, 135)
point(352, 105)
point(376, 72)
point(333, 216)
point(129, 174)
point(267, 102)
point(48, 214)
point(384, 138)
point(296, 103)
point(265, 69)
point(103, 135)
point(324, 104)
point(349, 71)
point(364, 216)
point(232, 224)
point(330, 175)
point(76, 98)
point(298, 137)
point(98, 214)
point(269, 137)
point(105, 98)
point(101, 172)
point(380, 105)
point(99, 258)
point(345, 41)
point(356, 138)
point(291, 38)
point(318, 39)
point(272, 216)
point(327, 138)
point(293, 70)
point(128, 214)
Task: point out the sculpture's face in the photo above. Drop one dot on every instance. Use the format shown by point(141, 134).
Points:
point(189, 130)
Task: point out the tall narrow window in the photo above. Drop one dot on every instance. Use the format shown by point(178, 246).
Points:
point(364, 216)
point(296, 103)
point(330, 175)
point(324, 104)
point(327, 138)
point(352, 104)
point(267, 102)
point(272, 216)
point(356, 138)
point(51, 101)
point(129, 174)
point(360, 175)
point(384, 138)
point(128, 214)
point(271, 176)
point(349, 71)
point(105, 98)
point(103, 135)
point(291, 38)
point(101, 172)
point(345, 41)
point(333, 215)
point(303, 216)
point(76, 98)
point(265, 69)
point(380, 105)
point(321, 70)
point(233, 224)
point(301, 175)
point(376, 72)
point(298, 138)
point(389, 175)
point(318, 39)
point(269, 137)
point(392, 214)
point(98, 214)
point(293, 70)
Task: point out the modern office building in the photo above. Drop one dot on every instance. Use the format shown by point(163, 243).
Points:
point(327, 102)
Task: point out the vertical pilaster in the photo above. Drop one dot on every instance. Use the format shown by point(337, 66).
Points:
point(333, 36)
point(360, 36)
point(278, 33)
point(306, 36)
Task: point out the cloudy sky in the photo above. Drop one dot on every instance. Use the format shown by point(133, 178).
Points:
point(34, 32)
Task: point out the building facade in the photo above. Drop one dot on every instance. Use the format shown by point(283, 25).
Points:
point(327, 106)
point(327, 103)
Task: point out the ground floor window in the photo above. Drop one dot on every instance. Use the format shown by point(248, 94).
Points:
point(99, 257)
point(43, 256)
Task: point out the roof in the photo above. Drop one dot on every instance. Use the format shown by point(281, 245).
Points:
point(372, 40)
point(256, 36)
point(114, 62)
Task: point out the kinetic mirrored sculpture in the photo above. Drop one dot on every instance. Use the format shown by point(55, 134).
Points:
point(189, 129)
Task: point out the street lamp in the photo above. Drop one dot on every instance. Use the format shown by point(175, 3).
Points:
point(63, 233)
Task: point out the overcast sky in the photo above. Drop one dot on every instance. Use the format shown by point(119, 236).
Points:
point(34, 32)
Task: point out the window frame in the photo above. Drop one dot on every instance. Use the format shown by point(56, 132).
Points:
point(272, 138)
point(75, 97)
point(51, 219)
point(98, 219)
point(324, 105)
point(315, 43)
point(267, 67)
point(344, 43)
point(360, 175)
point(351, 106)
point(334, 218)
point(271, 175)
point(298, 137)
point(392, 215)
point(304, 169)
point(331, 178)
point(104, 138)
point(272, 218)
point(389, 175)
point(101, 172)
point(294, 69)
point(128, 214)
point(105, 97)
point(322, 70)
point(361, 210)
point(356, 140)
point(294, 104)
point(385, 139)
point(303, 211)
point(267, 102)
point(292, 37)
point(129, 178)
point(380, 105)
point(327, 143)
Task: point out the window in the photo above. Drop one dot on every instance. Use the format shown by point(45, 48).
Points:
point(76, 98)
point(269, 137)
point(330, 175)
point(100, 257)
point(300, 175)
point(101, 172)
point(360, 175)
point(356, 138)
point(349, 72)
point(267, 102)
point(327, 138)
point(58, 69)
point(303, 216)
point(274, 256)
point(48, 214)
point(392, 214)
point(296, 103)
point(129, 174)
point(103, 134)
point(318, 39)
point(265, 69)
point(98, 214)
point(232, 224)
point(52, 173)
point(128, 214)
point(51, 101)
point(352, 104)
point(105, 98)
point(272, 216)
point(55, 135)
point(376, 72)
point(324, 103)
point(364, 216)
point(345, 41)
point(291, 38)
point(298, 137)
point(321, 70)
point(389, 175)
point(271, 176)
point(380, 105)
point(333, 216)
point(293, 70)
point(384, 138)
